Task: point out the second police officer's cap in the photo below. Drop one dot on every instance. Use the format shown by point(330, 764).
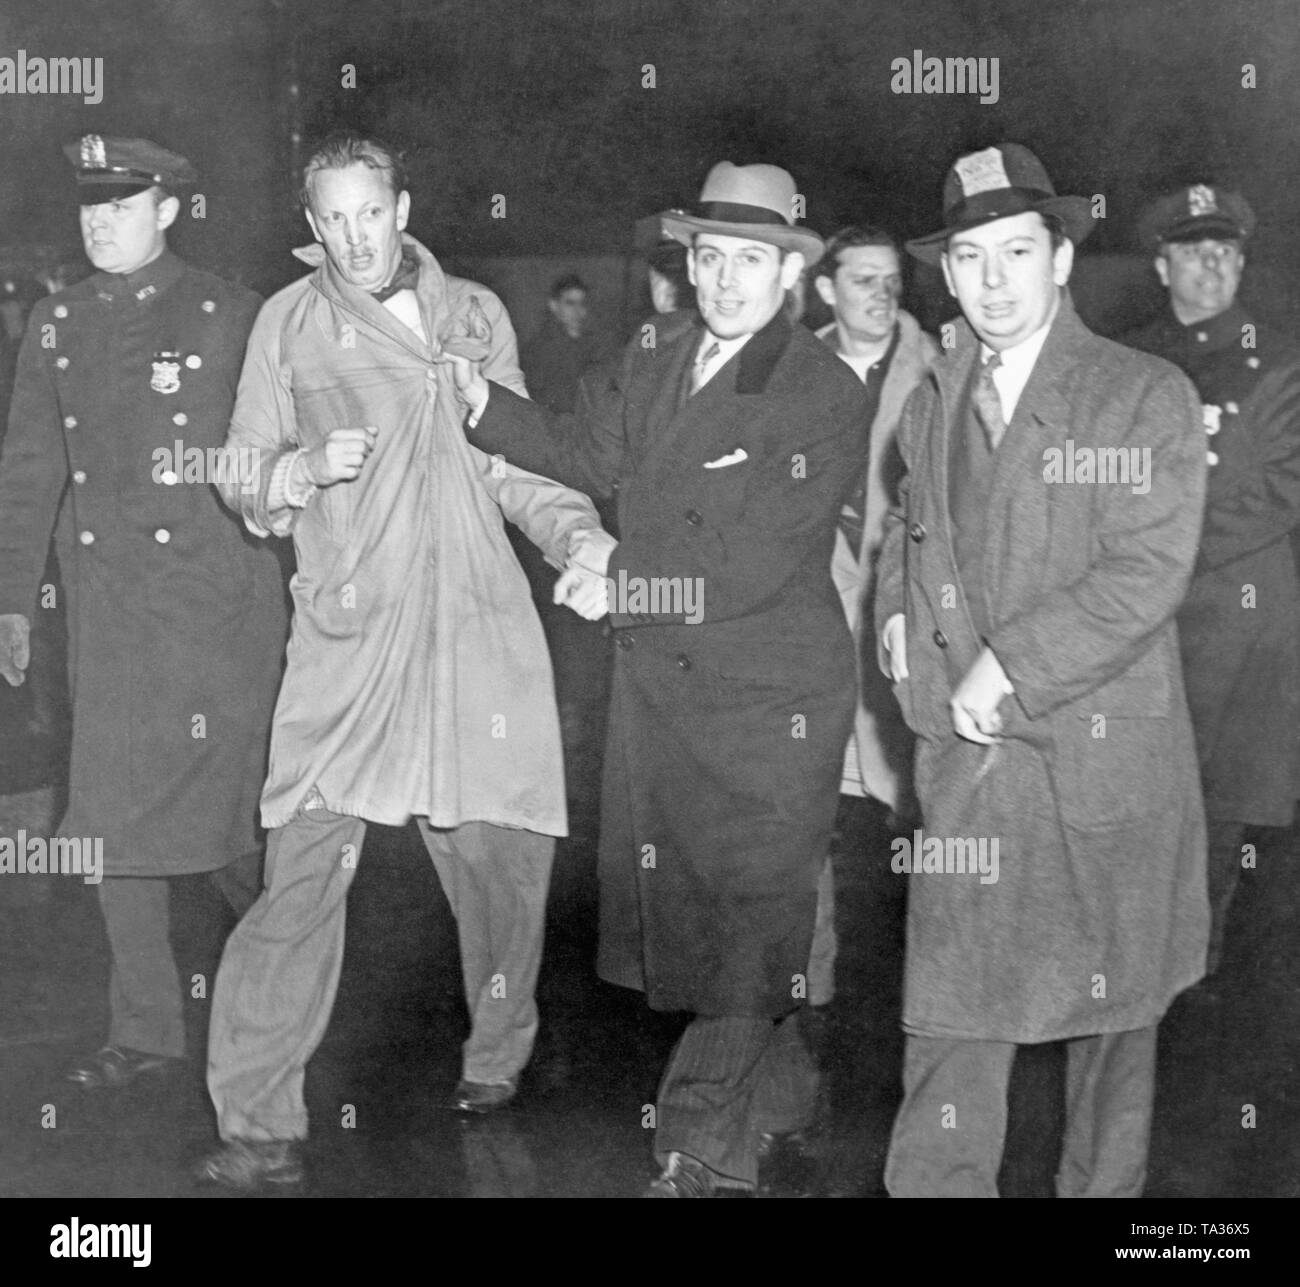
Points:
point(109, 169)
point(1195, 212)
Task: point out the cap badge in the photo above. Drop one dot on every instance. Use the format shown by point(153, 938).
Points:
point(1200, 200)
point(166, 373)
point(982, 172)
point(93, 154)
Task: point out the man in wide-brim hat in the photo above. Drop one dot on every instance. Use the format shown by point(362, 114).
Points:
point(1026, 599)
point(731, 447)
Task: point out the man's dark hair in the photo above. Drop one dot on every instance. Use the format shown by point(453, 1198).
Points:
point(668, 259)
point(570, 281)
point(346, 147)
point(1056, 233)
point(859, 234)
point(1055, 226)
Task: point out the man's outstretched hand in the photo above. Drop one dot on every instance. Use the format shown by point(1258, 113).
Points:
point(582, 585)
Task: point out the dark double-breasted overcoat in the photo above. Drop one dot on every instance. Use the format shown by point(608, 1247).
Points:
point(177, 619)
point(726, 734)
point(1239, 626)
point(1096, 916)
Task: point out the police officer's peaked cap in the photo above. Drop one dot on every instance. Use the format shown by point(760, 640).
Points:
point(1193, 213)
point(111, 168)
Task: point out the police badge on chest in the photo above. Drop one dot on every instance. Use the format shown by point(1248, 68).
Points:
point(166, 372)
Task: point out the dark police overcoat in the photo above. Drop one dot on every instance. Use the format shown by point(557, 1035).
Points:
point(176, 619)
point(1239, 626)
point(726, 736)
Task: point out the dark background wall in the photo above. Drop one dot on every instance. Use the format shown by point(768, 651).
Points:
point(541, 102)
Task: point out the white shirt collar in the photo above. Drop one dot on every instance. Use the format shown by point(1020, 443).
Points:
point(1017, 365)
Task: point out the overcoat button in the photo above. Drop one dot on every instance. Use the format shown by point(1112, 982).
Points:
point(917, 531)
point(61, 363)
point(1211, 457)
point(60, 310)
point(208, 306)
point(1253, 363)
point(180, 418)
point(625, 641)
point(193, 361)
point(683, 661)
point(167, 478)
point(694, 517)
point(69, 422)
point(78, 475)
point(162, 536)
point(1201, 337)
point(87, 538)
point(1231, 408)
point(940, 639)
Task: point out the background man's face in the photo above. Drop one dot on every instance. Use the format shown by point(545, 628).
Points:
point(1006, 277)
point(864, 292)
point(121, 236)
point(570, 310)
point(1201, 276)
point(358, 220)
point(739, 284)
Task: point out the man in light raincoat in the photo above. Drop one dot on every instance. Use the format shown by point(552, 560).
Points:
point(417, 680)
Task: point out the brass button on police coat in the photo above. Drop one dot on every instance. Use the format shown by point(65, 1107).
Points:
point(162, 536)
point(78, 476)
point(625, 640)
point(1211, 457)
point(193, 361)
point(87, 538)
point(683, 661)
point(69, 422)
point(168, 478)
point(180, 418)
point(940, 639)
point(694, 517)
point(61, 363)
point(917, 531)
point(60, 310)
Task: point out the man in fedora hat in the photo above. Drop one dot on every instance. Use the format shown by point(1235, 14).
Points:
point(1045, 536)
point(731, 448)
point(1239, 627)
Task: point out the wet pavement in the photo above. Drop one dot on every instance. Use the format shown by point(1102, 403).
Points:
point(377, 1089)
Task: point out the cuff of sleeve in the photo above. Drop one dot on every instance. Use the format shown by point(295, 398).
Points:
point(283, 492)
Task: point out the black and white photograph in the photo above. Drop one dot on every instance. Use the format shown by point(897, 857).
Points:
point(649, 599)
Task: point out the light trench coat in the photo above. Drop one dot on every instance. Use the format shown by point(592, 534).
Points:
point(417, 680)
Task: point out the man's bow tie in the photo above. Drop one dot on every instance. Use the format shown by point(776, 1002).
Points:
point(408, 275)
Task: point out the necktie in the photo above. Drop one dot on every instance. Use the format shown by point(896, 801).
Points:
point(988, 406)
point(702, 365)
point(408, 275)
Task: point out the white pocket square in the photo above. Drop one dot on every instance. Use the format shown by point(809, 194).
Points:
point(731, 458)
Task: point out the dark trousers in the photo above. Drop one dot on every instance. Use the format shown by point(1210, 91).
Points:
point(730, 1080)
point(1223, 873)
point(144, 989)
point(949, 1133)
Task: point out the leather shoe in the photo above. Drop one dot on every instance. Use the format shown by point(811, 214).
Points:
point(248, 1164)
point(683, 1177)
point(116, 1066)
point(482, 1097)
point(786, 1166)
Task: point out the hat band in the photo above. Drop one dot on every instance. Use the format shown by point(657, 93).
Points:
point(733, 212)
point(116, 174)
point(996, 204)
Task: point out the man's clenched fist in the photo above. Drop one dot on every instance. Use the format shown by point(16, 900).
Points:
point(340, 457)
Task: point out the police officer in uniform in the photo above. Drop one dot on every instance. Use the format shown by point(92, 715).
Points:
point(1239, 626)
point(176, 620)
